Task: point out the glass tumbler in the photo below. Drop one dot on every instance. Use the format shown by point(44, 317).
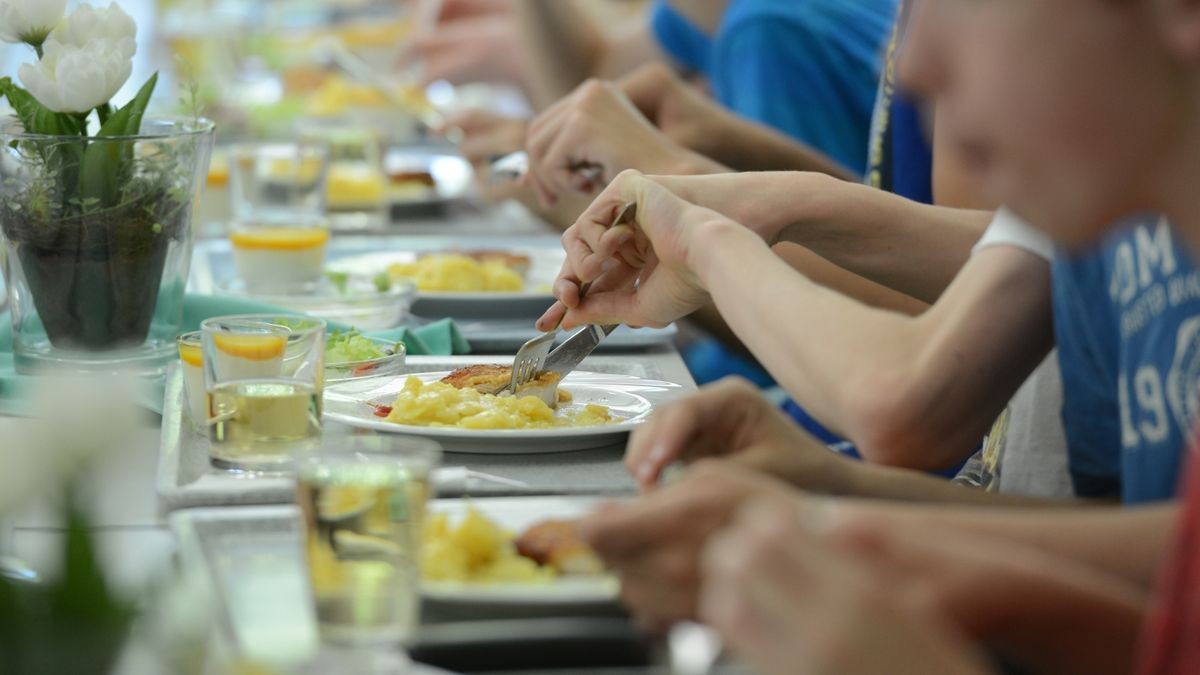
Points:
point(363, 501)
point(264, 378)
point(281, 183)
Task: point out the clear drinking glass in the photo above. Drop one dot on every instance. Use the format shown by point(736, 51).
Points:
point(282, 183)
point(264, 378)
point(363, 500)
point(356, 180)
point(191, 362)
point(279, 258)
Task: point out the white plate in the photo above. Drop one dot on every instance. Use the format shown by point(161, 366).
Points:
point(630, 399)
point(359, 304)
point(516, 514)
point(544, 265)
point(271, 536)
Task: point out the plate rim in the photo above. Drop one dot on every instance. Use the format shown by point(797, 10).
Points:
point(467, 297)
point(458, 433)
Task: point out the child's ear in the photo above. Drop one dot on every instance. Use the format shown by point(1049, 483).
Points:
point(1179, 22)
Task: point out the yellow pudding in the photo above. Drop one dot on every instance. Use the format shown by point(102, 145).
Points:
point(355, 186)
point(280, 238)
point(249, 355)
point(192, 362)
point(280, 257)
point(455, 273)
point(191, 355)
point(218, 172)
point(252, 347)
point(437, 404)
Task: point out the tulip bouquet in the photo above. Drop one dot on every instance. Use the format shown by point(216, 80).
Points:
point(95, 199)
point(83, 60)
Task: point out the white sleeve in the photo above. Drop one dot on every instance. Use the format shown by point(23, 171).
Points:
point(1009, 229)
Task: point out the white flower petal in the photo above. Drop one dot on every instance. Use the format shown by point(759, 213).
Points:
point(87, 23)
point(77, 78)
point(29, 20)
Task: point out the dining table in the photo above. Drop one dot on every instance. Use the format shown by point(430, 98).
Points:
point(130, 515)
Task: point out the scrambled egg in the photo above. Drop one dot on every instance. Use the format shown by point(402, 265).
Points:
point(437, 404)
point(458, 274)
point(476, 550)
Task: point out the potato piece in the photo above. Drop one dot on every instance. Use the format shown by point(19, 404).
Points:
point(479, 537)
point(442, 560)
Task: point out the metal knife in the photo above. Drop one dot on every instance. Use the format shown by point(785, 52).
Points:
point(568, 355)
point(515, 165)
point(510, 167)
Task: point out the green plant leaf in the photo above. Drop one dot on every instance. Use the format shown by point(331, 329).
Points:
point(61, 158)
point(106, 166)
point(35, 117)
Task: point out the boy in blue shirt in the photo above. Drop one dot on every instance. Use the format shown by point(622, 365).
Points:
point(1129, 364)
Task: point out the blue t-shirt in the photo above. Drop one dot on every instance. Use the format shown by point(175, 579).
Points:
point(1127, 322)
point(806, 67)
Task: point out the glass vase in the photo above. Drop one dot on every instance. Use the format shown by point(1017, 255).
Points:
point(97, 233)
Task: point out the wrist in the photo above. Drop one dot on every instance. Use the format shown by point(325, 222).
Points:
point(716, 244)
point(684, 162)
point(805, 200)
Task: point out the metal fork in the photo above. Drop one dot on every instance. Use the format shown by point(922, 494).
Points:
point(531, 357)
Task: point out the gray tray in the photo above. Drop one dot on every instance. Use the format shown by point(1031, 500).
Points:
point(506, 337)
point(185, 478)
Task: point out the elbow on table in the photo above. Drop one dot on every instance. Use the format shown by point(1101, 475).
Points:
point(894, 422)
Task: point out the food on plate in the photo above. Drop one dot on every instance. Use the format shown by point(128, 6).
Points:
point(490, 379)
point(335, 95)
point(517, 262)
point(558, 544)
point(342, 281)
point(266, 257)
point(438, 404)
point(408, 185)
point(477, 550)
point(457, 273)
point(352, 346)
point(355, 185)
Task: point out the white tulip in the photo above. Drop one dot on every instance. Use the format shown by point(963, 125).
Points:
point(86, 59)
point(29, 20)
point(87, 23)
point(70, 79)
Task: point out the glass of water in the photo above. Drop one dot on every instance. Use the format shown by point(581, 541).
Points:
point(264, 378)
point(282, 183)
point(363, 501)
